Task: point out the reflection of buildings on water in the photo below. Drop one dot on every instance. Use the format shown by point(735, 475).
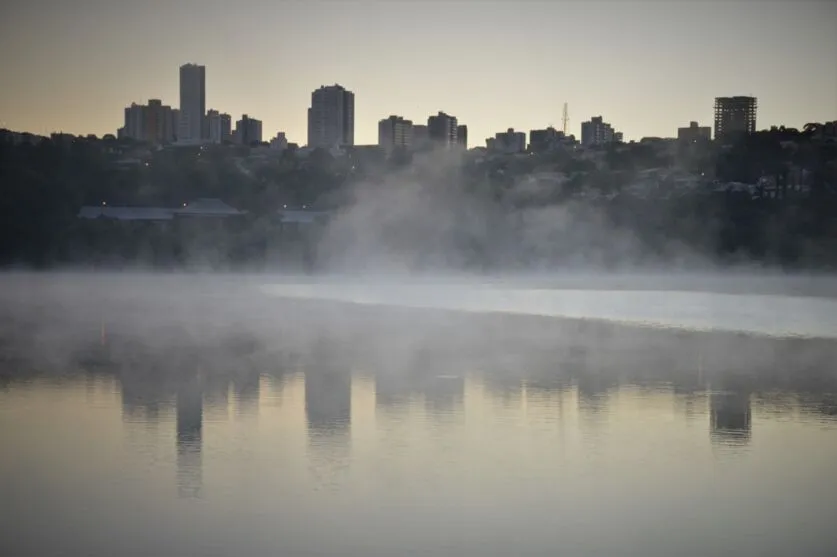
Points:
point(392, 391)
point(245, 392)
point(143, 395)
point(541, 388)
point(689, 390)
point(216, 396)
point(443, 393)
point(730, 417)
point(328, 413)
point(594, 382)
point(328, 400)
point(504, 389)
point(594, 395)
point(189, 438)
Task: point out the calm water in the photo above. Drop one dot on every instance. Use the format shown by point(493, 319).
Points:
point(153, 417)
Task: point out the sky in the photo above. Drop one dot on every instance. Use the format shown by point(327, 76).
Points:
point(646, 67)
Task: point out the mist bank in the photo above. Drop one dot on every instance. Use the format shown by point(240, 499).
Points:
point(758, 203)
point(60, 322)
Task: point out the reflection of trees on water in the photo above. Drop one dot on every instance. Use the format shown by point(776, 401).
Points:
point(143, 396)
point(828, 406)
point(822, 406)
point(419, 373)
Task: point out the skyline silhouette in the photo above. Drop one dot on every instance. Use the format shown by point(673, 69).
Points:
point(645, 67)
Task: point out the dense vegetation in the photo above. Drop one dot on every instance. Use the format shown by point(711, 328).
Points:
point(787, 214)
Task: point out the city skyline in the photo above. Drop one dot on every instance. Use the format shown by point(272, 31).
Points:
point(666, 72)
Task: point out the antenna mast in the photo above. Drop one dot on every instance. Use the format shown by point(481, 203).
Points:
point(565, 118)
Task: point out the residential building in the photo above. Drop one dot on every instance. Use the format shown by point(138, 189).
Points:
point(694, 133)
point(154, 122)
point(421, 137)
point(192, 127)
point(442, 130)
point(279, 142)
point(331, 117)
point(734, 116)
point(248, 130)
point(597, 132)
point(395, 132)
point(220, 126)
point(549, 139)
point(134, 125)
point(462, 136)
point(509, 141)
point(159, 122)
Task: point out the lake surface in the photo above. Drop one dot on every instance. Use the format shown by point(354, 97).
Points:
point(151, 416)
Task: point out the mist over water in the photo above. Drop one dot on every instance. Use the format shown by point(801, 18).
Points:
point(375, 414)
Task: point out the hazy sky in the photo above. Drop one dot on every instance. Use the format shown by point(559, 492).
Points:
point(647, 67)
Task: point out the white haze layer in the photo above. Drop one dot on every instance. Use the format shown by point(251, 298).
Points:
point(760, 314)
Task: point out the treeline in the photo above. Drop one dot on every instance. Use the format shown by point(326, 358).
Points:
point(786, 216)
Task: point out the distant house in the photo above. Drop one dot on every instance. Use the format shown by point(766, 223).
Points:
point(200, 208)
point(207, 207)
point(126, 213)
point(296, 216)
point(297, 220)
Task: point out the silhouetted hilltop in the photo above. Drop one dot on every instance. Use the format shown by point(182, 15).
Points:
point(770, 197)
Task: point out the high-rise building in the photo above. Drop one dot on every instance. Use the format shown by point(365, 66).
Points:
point(220, 126)
point(192, 127)
point(509, 141)
point(462, 136)
point(175, 118)
point(421, 137)
point(694, 133)
point(159, 122)
point(734, 116)
point(331, 118)
point(395, 132)
point(248, 130)
point(134, 126)
point(598, 132)
point(441, 130)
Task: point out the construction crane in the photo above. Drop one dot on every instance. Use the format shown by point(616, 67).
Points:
point(565, 118)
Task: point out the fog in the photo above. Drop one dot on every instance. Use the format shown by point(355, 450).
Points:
point(421, 257)
point(55, 318)
point(431, 217)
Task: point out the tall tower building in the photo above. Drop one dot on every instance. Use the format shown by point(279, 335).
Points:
point(734, 116)
point(192, 126)
point(331, 118)
point(462, 136)
point(442, 130)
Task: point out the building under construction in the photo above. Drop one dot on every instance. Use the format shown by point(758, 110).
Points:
point(734, 116)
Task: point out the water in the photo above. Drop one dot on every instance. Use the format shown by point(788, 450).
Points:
point(168, 417)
